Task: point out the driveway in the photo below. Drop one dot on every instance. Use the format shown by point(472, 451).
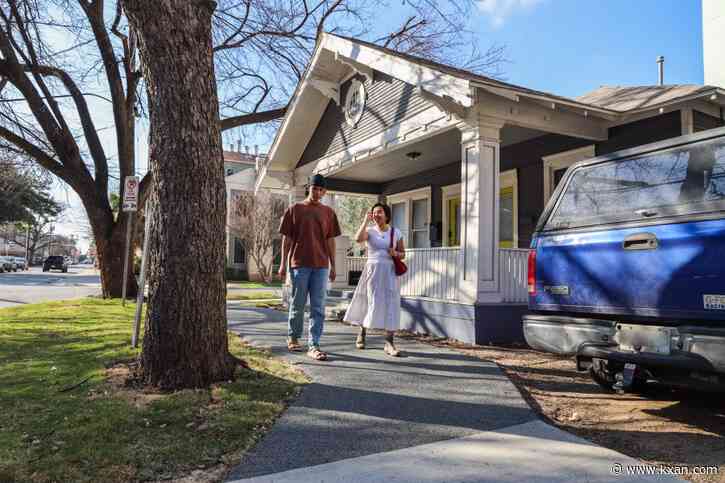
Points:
point(433, 415)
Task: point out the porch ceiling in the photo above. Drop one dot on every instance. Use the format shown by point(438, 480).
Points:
point(435, 152)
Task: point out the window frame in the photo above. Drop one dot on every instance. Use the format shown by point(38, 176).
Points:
point(562, 160)
point(408, 197)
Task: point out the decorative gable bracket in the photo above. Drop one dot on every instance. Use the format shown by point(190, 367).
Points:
point(362, 69)
point(445, 103)
point(327, 88)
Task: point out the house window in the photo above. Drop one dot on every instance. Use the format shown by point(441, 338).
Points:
point(508, 212)
point(240, 257)
point(555, 167)
point(277, 251)
point(411, 215)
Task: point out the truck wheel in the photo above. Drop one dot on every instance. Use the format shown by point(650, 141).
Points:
point(602, 374)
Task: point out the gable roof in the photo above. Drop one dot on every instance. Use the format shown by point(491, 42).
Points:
point(307, 104)
point(624, 99)
point(616, 99)
point(478, 79)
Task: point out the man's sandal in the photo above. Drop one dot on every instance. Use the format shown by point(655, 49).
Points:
point(293, 345)
point(317, 354)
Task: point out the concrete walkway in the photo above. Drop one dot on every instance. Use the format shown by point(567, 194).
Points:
point(432, 415)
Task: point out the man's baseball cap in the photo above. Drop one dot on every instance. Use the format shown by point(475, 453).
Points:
point(318, 180)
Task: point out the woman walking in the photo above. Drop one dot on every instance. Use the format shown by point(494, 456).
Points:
point(376, 301)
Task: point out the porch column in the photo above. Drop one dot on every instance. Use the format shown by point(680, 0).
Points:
point(342, 244)
point(296, 194)
point(480, 148)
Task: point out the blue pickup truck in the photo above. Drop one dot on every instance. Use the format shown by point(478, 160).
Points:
point(627, 266)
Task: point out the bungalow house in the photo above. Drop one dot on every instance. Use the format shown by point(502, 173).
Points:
point(466, 162)
point(240, 171)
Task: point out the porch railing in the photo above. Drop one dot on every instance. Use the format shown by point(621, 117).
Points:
point(432, 272)
point(355, 264)
point(513, 274)
point(435, 273)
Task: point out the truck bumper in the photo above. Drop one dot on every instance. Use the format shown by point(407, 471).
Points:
point(691, 347)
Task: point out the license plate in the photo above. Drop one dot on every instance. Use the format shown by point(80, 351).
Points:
point(642, 338)
point(713, 302)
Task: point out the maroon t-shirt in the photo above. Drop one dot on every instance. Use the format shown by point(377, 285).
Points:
point(309, 226)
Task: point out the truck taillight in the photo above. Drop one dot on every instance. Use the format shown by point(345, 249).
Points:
point(532, 272)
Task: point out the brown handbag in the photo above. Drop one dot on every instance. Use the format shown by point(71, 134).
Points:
point(400, 266)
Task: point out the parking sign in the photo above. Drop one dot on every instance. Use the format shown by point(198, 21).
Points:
point(130, 194)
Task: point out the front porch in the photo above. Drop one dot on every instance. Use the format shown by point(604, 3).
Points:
point(441, 224)
point(434, 273)
point(458, 160)
point(431, 298)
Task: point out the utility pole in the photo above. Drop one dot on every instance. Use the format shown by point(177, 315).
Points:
point(27, 244)
point(50, 243)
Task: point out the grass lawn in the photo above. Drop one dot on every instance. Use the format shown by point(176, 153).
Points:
point(275, 284)
point(253, 296)
point(54, 429)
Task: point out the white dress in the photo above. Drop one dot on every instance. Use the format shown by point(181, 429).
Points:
point(376, 301)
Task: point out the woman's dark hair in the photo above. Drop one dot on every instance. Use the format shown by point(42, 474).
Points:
point(385, 208)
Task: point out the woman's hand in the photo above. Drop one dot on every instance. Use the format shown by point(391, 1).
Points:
point(362, 234)
point(393, 252)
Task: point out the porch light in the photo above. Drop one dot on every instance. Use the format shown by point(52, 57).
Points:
point(412, 155)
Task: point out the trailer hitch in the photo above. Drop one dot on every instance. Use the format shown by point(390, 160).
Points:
point(625, 379)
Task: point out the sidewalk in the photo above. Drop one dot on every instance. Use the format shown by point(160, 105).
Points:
point(433, 415)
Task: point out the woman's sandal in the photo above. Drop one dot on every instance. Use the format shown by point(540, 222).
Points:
point(360, 341)
point(391, 350)
point(317, 354)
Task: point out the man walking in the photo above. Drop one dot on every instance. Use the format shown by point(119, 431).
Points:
point(308, 233)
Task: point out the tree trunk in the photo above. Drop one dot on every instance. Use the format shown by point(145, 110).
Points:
point(110, 251)
point(185, 341)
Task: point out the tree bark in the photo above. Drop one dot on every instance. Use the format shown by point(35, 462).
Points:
point(185, 340)
point(110, 250)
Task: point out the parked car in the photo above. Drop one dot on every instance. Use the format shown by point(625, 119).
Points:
point(626, 267)
point(8, 264)
point(21, 263)
point(55, 262)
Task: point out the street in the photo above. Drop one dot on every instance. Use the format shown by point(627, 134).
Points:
point(38, 286)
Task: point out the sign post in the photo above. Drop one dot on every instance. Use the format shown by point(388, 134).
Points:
point(129, 204)
point(142, 276)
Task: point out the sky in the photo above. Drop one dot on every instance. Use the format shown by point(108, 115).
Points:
point(570, 47)
point(564, 47)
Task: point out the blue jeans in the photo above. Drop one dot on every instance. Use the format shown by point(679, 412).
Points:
point(312, 282)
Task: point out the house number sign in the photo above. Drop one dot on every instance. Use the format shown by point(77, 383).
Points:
point(355, 103)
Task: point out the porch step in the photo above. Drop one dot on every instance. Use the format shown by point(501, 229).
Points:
point(340, 293)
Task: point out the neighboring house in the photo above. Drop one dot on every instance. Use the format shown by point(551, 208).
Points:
point(466, 162)
point(240, 171)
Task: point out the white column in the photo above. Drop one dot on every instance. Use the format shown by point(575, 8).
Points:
point(342, 244)
point(480, 147)
point(296, 194)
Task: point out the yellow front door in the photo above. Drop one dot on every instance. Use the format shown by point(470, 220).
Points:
point(454, 222)
point(506, 217)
